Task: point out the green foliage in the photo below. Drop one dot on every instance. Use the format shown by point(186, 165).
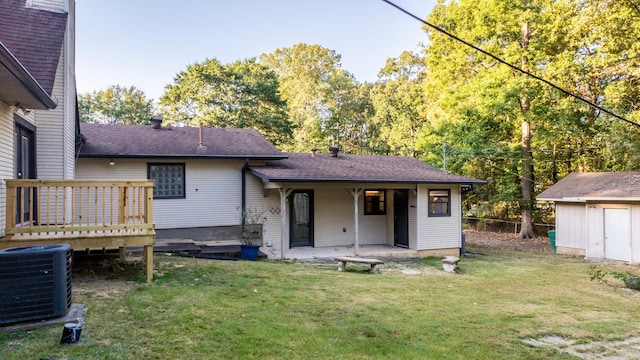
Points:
point(630, 281)
point(325, 103)
point(115, 105)
point(477, 106)
point(596, 273)
point(599, 274)
point(243, 94)
point(400, 105)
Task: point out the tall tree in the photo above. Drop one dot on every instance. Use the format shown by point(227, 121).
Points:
point(323, 99)
point(243, 94)
point(115, 105)
point(400, 104)
point(463, 80)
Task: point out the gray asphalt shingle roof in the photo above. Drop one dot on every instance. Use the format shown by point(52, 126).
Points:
point(594, 185)
point(355, 168)
point(34, 37)
point(143, 141)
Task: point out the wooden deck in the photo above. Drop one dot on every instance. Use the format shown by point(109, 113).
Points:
point(86, 214)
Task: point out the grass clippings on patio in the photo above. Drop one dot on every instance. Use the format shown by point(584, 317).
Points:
point(207, 309)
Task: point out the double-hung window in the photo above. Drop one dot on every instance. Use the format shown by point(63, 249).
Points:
point(440, 202)
point(374, 203)
point(169, 179)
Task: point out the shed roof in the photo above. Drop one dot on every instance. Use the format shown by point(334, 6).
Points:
point(34, 37)
point(303, 167)
point(595, 186)
point(135, 141)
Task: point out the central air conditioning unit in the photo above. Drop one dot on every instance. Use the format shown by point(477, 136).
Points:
point(35, 283)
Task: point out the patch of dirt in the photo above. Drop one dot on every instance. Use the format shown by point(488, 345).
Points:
point(103, 278)
point(609, 350)
point(506, 241)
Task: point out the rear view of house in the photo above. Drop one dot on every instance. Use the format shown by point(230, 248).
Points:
point(207, 177)
point(598, 215)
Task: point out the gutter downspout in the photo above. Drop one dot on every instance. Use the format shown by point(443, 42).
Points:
point(244, 190)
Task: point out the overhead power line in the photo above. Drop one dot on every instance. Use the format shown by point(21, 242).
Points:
point(567, 92)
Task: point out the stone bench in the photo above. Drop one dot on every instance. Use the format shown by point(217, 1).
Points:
point(449, 263)
point(373, 262)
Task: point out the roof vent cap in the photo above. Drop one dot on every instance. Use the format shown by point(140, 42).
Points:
point(156, 122)
point(333, 151)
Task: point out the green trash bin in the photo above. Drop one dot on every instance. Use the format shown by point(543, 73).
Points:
point(552, 238)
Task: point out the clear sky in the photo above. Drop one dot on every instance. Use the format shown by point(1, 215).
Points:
point(145, 43)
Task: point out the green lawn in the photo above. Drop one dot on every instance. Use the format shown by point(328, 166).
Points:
point(207, 309)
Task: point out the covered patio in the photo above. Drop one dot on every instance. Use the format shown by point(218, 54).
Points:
point(325, 205)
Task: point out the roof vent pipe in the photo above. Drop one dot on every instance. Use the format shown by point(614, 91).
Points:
point(313, 152)
point(201, 137)
point(333, 151)
point(156, 122)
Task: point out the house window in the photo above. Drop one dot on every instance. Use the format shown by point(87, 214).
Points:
point(439, 202)
point(374, 202)
point(169, 180)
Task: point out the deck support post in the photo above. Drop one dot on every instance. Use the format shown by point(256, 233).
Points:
point(284, 193)
point(356, 192)
point(148, 261)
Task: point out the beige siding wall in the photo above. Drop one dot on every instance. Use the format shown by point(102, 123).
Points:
point(595, 232)
point(438, 232)
point(69, 129)
point(6, 157)
point(414, 222)
point(55, 135)
point(269, 202)
point(333, 211)
point(213, 190)
point(635, 234)
point(50, 133)
point(389, 218)
point(571, 225)
point(373, 228)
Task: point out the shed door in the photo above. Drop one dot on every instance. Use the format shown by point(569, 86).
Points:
point(617, 240)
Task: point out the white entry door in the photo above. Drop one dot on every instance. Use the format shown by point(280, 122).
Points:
point(617, 239)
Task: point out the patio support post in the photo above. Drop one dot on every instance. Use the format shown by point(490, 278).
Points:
point(284, 193)
point(356, 195)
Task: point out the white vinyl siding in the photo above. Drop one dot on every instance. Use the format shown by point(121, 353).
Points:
point(51, 138)
point(373, 228)
point(52, 5)
point(68, 58)
point(413, 220)
point(269, 201)
point(596, 243)
point(213, 190)
point(333, 211)
point(438, 232)
point(6, 157)
point(571, 225)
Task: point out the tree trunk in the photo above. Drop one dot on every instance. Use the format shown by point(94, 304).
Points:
point(526, 183)
point(526, 177)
